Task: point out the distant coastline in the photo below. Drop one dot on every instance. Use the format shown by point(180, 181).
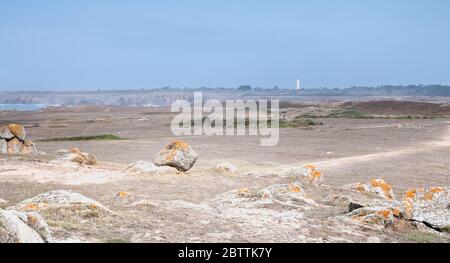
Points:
point(21, 107)
point(35, 100)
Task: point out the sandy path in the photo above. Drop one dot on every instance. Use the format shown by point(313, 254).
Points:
point(416, 149)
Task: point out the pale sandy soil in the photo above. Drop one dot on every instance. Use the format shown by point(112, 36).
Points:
point(192, 207)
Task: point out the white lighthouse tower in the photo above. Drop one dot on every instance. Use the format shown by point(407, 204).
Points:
point(298, 86)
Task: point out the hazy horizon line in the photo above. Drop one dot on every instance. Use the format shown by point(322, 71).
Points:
point(253, 88)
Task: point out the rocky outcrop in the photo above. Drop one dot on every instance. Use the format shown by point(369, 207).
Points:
point(74, 155)
point(13, 141)
point(377, 187)
point(60, 199)
point(377, 215)
point(308, 173)
point(149, 168)
point(421, 207)
point(283, 193)
point(177, 154)
point(428, 205)
point(23, 227)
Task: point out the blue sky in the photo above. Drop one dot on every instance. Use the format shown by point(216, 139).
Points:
point(82, 44)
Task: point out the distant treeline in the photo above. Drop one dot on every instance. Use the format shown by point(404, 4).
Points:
point(385, 90)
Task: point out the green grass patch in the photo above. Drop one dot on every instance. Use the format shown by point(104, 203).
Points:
point(297, 122)
point(101, 137)
point(356, 114)
point(424, 237)
point(353, 114)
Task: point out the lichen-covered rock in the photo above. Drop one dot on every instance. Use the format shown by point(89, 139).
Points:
point(377, 187)
point(5, 133)
point(59, 198)
point(283, 193)
point(23, 227)
point(122, 198)
point(149, 168)
point(12, 141)
point(177, 154)
point(227, 168)
point(18, 131)
point(307, 173)
point(14, 146)
point(3, 146)
point(428, 205)
point(378, 215)
point(74, 155)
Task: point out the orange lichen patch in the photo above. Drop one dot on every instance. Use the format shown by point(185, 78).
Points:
point(92, 206)
point(295, 188)
point(411, 193)
point(31, 207)
point(381, 183)
point(122, 194)
point(385, 187)
point(426, 194)
point(173, 147)
point(429, 194)
point(316, 174)
point(311, 173)
point(437, 189)
point(178, 145)
point(384, 213)
point(396, 212)
point(310, 166)
point(18, 130)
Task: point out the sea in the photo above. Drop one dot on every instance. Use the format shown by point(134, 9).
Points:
point(21, 107)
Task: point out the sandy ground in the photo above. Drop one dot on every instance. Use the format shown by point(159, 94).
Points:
point(192, 207)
